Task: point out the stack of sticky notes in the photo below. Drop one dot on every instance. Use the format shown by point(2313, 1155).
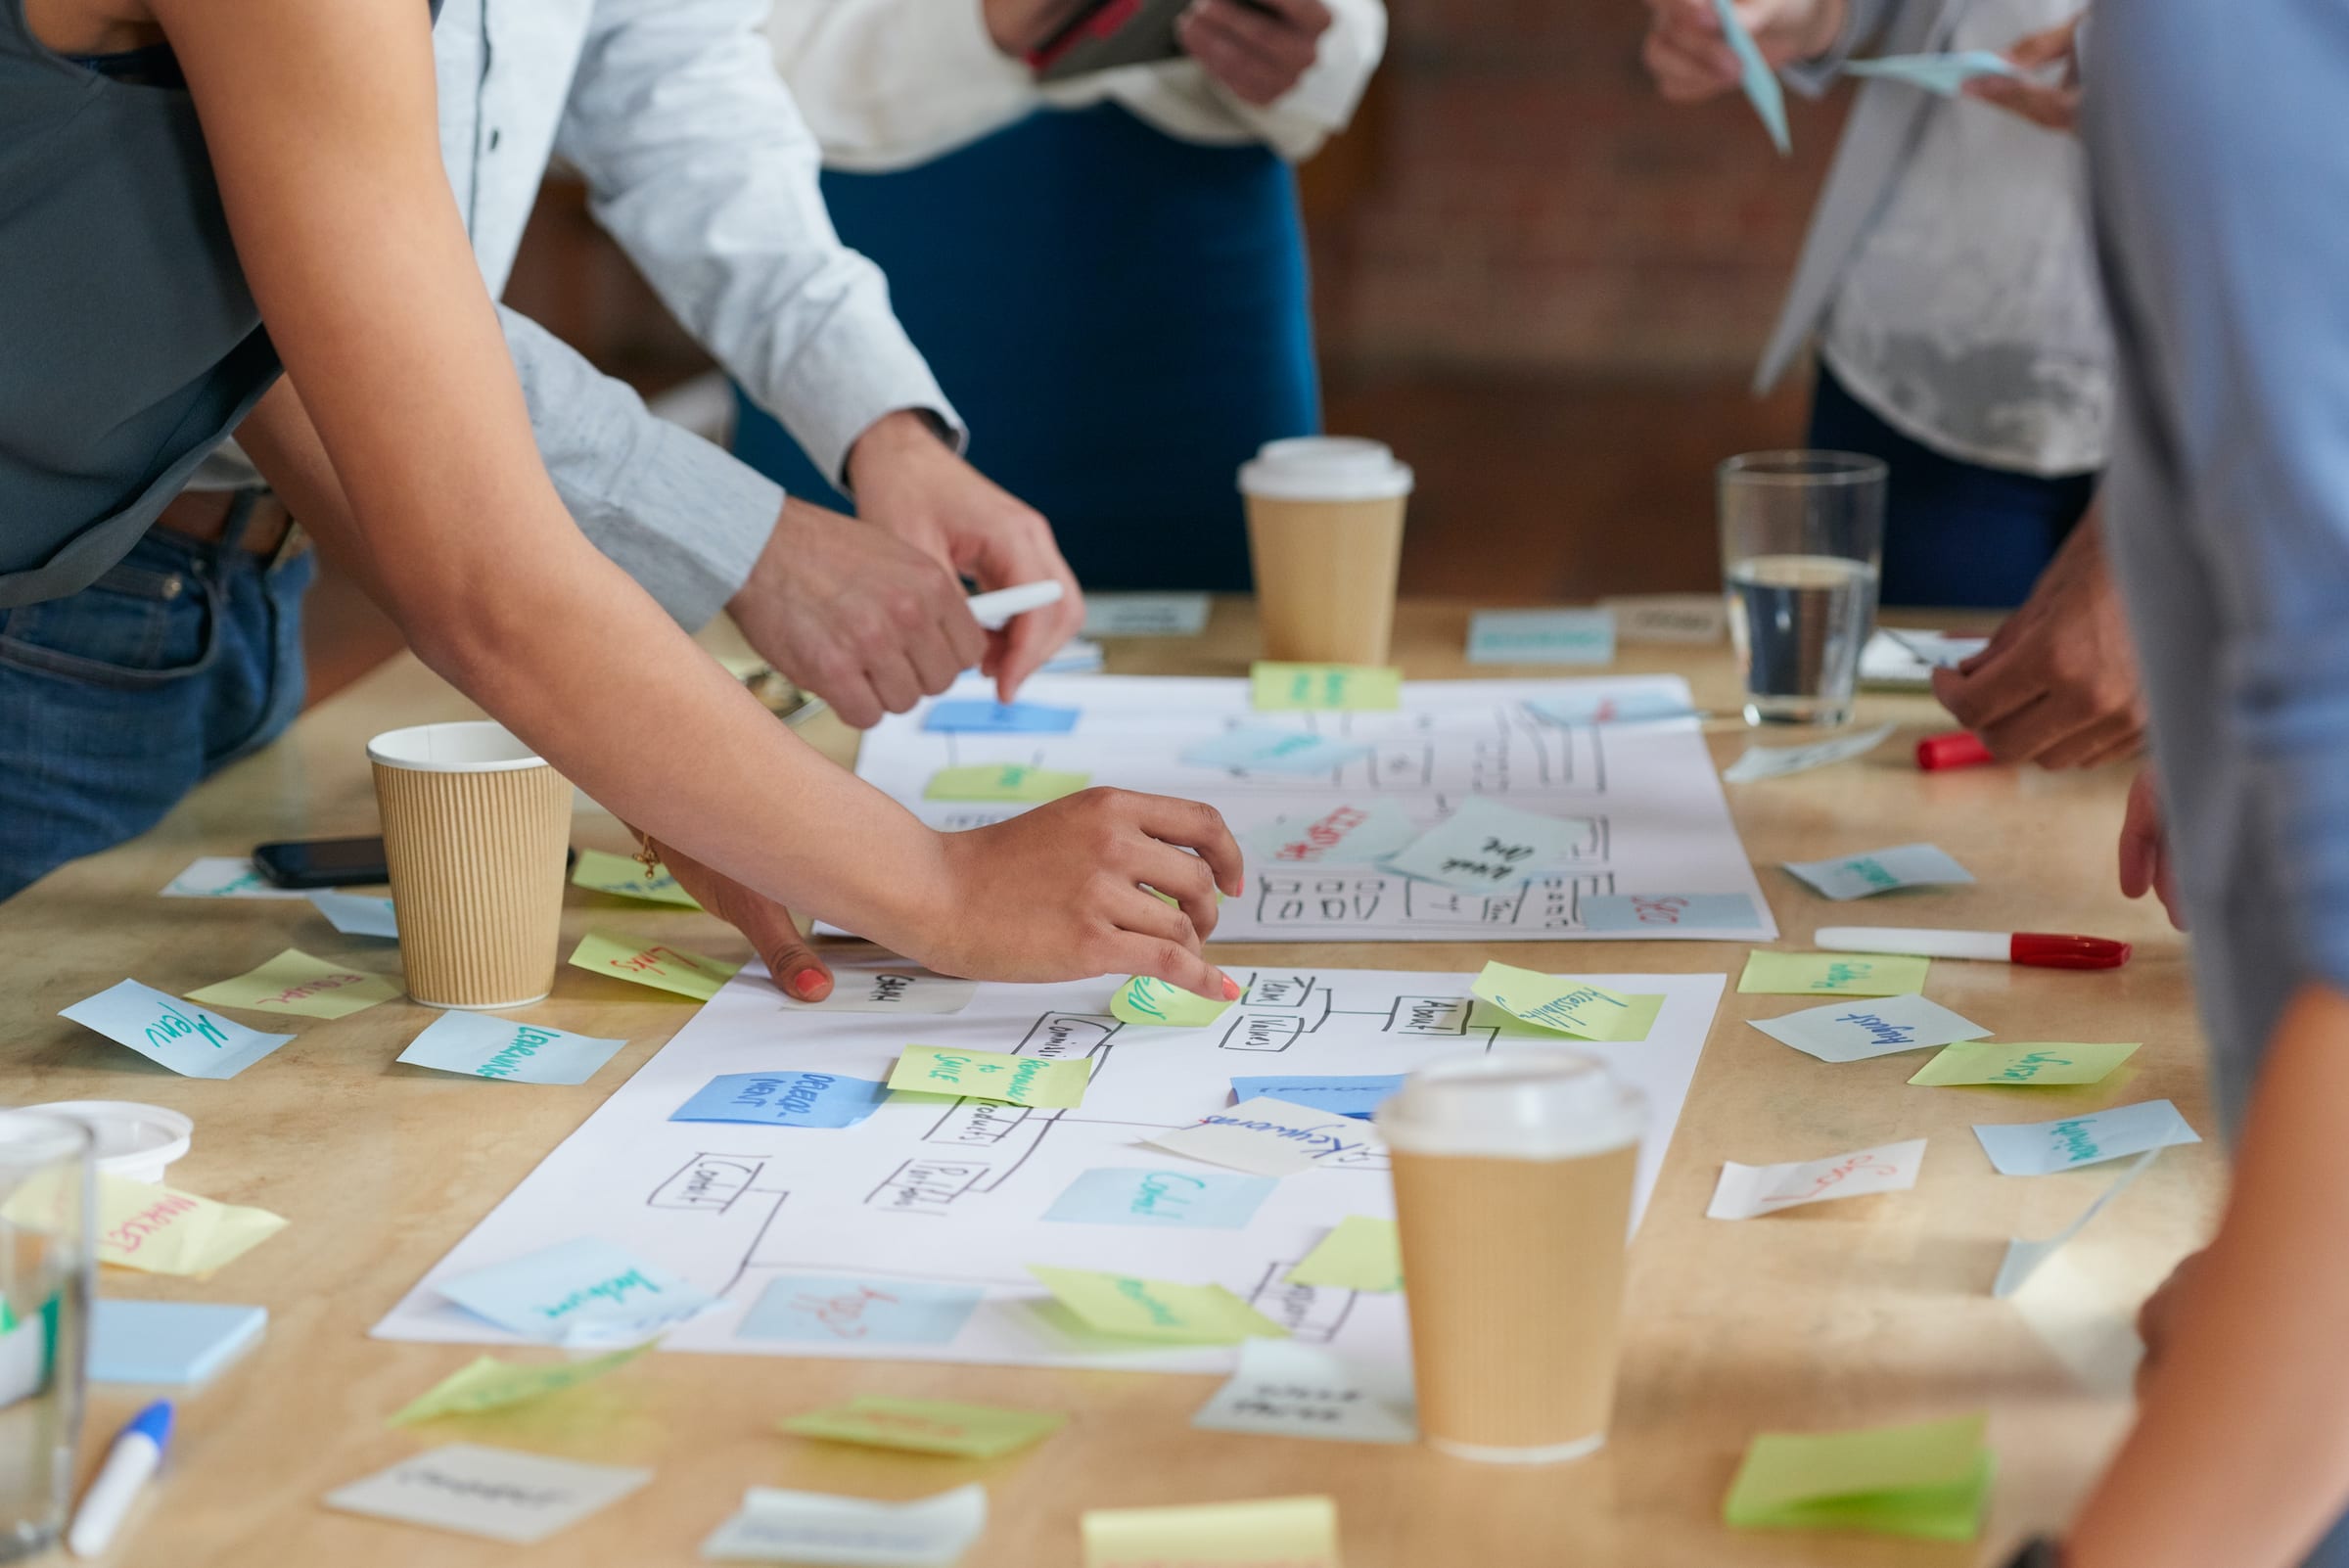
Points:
point(1930, 1481)
point(180, 1342)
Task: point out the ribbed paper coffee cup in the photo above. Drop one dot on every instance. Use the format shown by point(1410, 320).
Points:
point(475, 829)
point(1325, 539)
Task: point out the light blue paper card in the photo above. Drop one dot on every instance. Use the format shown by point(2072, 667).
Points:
point(1541, 637)
point(827, 1309)
point(1486, 845)
point(583, 1292)
point(358, 914)
point(1146, 615)
point(1343, 834)
point(1935, 73)
point(1635, 912)
point(168, 1341)
point(182, 1035)
point(1355, 1096)
point(2036, 1148)
point(486, 1046)
point(1859, 876)
point(1275, 750)
point(1168, 1199)
point(1858, 1028)
point(982, 717)
point(1761, 88)
point(1610, 708)
point(785, 1100)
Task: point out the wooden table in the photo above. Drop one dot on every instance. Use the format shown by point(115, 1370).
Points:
point(1868, 1310)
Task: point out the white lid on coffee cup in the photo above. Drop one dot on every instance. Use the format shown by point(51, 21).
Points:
point(473, 745)
point(1326, 468)
point(1522, 1103)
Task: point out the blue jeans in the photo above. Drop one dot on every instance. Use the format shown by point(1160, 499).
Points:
point(115, 701)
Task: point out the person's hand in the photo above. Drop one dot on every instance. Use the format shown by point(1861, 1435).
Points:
point(2058, 686)
point(2055, 105)
point(1260, 50)
point(1060, 892)
point(2157, 1318)
point(1020, 27)
point(2145, 864)
point(1691, 60)
point(914, 485)
point(788, 960)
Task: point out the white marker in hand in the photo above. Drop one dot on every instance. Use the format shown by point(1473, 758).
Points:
point(994, 610)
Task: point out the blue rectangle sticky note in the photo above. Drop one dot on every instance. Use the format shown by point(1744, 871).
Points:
point(168, 1341)
point(1609, 707)
point(1858, 876)
point(979, 717)
point(1348, 1096)
point(1169, 1199)
point(1633, 912)
point(828, 1309)
point(1541, 637)
point(1761, 83)
point(1274, 750)
point(784, 1099)
point(2036, 1148)
point(187, 1038)
point(486, 1046)
point(583, 1292)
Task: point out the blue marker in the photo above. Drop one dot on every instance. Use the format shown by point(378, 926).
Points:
point(129, 1465)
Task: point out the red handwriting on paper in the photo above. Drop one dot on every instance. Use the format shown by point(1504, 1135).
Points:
point(152, 1221)
point(1867, 1163)
point(843, 1313)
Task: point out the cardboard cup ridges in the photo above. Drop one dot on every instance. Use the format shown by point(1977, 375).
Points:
point(1514, 1175)
point(1325, 535)
point(475, 829)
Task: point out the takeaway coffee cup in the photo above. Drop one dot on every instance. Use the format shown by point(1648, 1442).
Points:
point(475, 830)
point(1513, 1190)
point(1325, 534)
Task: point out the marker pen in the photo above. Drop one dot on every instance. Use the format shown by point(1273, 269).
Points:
point(994, 610)
point(2039, 950)
point(1959, 748)
point(130, 1464)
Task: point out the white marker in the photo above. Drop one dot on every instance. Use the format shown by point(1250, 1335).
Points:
point(2037, 948)
point(994, 610)
point(130, 1464)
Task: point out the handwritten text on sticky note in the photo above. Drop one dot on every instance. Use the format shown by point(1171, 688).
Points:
point(1747, 1190)
point(293, 981)
point(1837, 974)
point(1987, 1062)
point(1289, 689)
point(991, 1076)
point(660, 966)
point(182, 1035)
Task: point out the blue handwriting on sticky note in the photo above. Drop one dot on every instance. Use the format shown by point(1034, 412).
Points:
point(183, 1037)
point(583, 1292)
point(981, 717)
point(1355, 1096)
point(1857, 1028)
point(1761, 83)
point(356, 914)
point(488, 1046)
point(1175, 1200)
point(1274, 750)
point(827, 1309)
point(1667, 911)
point(1858, 876)
point(2035, 1148)
point(1541, 637)
point(785, 1100)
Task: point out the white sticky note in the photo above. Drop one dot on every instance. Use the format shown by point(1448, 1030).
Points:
point(191, 1040)
point(1541, 637)
point(1285, 1389)
point(2025, 1258)
point(486, 1046)
point(1846, 877)
point(1778, 761)
point(223, 876)
point(1857, 1028)
point(1349, 834)
point(818, 1527)
point(1486, 845)
point(888, 987)
point(1692, 618)
point(498, 1494)
point(1146, 615)
point(1907, 659)
point(2036, 1148)
point(1272, 1137)
point(358, 914)
point(1747, 1190)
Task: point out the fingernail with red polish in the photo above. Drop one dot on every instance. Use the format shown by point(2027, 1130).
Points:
point(1231, 988)
point(809, 984)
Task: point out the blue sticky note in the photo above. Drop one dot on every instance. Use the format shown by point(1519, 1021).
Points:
point(1275, 750)
point(983, 717)
point(784, 1099)
point(486, 1046)
point(1761, 88)
point(1666, 912)
point(2035, 1148)
point(1935, 73)
point(1170, 1200)
point(1348, 1096)
point(358, 914)
point(168, 1341)
point(826, 1309)
point(1609, 707)
point(1859, 876)
point(1541, 637)
point(583, 1292)
point(183, 1037)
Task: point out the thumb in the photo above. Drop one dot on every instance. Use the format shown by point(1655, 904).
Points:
point(2038, 48)
point(794, 964)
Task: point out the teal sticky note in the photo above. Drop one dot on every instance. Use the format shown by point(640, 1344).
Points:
point(1541, 637)
point(1761, 83)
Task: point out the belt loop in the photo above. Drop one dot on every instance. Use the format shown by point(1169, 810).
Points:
point(239, 514)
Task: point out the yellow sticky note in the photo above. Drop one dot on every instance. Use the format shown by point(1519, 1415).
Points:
point(489, 1384)
point(1003, 781)
point(293, 981)
point(1929, 1481)
point(1361, 1254)
point(1565, 1005)
point(1286, 688)
point(991, 1076)
point(625, 878)
point(1262, 1533)
point(1982, 1061)
point(1834, 974)
point(1634, 1026)
point(663, 968)
point(927, 1426)
point(160, 1230)
point(1161, 1309)
point(1147, 999)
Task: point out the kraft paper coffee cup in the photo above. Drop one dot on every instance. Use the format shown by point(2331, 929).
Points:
point(475, 832)
point(1325, 534)
point(1513, 1177)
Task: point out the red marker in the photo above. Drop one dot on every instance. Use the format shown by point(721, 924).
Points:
point(1959, 748)
point(2037, 948)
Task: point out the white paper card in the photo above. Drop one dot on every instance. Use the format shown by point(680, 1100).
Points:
point(2024, 1258)
point(1285, 1389)
point(1146, 615)
point(1486, 845)
point(1858, 1028)
point(223, 876)
point(835, 1531)
point(1350, 833)
point(1778, 761)
point(1859, 876)
point(1669, 617)
point(358, 914)
point(1910, 659)
point(1747, 1190)
point(1274, 1138)
point(893, 986)
point(520, 1498)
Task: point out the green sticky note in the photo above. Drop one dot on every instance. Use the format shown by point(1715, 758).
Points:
point(1930, 1481)
point(1834, 974)
point(1287, 688)
point(927, 1426)
point(625, 878)
point(1003, 781)
point(1565, 1006)
point(489, 1384)
point(1147, 999)
point(991, 1076)
point(293, 981)
point(1634, 1026)
point(1158, 1309)
point(1982, 1061)
point(663, 968)
point(1361, 1254)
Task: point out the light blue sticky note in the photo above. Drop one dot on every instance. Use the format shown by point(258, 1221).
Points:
point(583, 1292)
point(358, 914)
point(486, 1046)
point(1274, 750)
point(1610, 708)
point(785, 1100)
point(1170, 1200)
point(830, 1309)
point(183, 1037)
point(1635, 912)
point(1356, 1096)
point(1761, 88)
point(1856, 1029)
point(1858, 876)
point(1541, 637)
point(1485, 846)
point(168, 1341)
point(2035, 1148)
point(1935, 73)
point(982, 717)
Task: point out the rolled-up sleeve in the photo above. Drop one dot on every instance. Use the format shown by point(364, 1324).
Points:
point(1862, 22)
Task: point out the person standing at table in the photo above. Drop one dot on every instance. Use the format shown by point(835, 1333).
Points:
point(1107, 273)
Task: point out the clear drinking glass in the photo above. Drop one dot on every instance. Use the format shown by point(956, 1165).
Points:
point(47, 1267)
point(1802, 541)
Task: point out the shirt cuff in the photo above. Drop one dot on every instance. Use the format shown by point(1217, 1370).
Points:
point(1812, 77)
point(844, 377)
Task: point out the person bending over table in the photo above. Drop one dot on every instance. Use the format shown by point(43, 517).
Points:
point(1108, 273)
point(163, 244)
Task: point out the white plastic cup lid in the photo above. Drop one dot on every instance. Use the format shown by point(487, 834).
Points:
point(128, 1138)
point(474, 746)
point(1523, 1103)
point(1326, 468)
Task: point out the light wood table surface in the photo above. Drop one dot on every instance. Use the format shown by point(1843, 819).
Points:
point(1868, 1310)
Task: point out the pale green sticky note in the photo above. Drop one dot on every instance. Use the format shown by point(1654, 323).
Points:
point(991, 1076)
point(1129, 1308)
point(1359, 1254)
point(624, 877)
point(1634, 1026)
point(1930, 1481)
point(1568, 1006)
point(1834, 974)
point(927, 1426)
point(1003, 781)
point(663, 968)
point(1259, 1532)
point(489, 1384)
point(1288, 688)
point(1147, 999)
point(293, 981)
point(1982, 1061)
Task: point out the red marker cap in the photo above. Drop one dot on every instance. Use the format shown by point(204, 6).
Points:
point(2043, 950)
point(1959, 748)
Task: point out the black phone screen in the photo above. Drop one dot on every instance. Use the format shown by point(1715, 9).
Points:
point(323, 862)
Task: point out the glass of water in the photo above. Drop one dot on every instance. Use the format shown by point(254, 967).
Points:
point(47, 1265)
point(1802, 540)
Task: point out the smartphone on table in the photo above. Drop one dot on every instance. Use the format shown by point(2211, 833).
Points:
point(323, 862)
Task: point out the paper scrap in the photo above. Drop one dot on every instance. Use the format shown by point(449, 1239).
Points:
point(1343, 834)
point(1272, 1137)
point(1275, 750)
point(1859, 876)
point(2036, 1148)
point(1856, 1031)
point(1003, 781)
point(1146, 615)
point(498, 1494)
point(579, 1293)
point(774, 1525)
point(1484, 845)
point(1289, 689)
point(1761, 83)
point(795, 1099)
point(891, 988)
point(1557, 1003)
point(1778, 761)
point(1694, 618)
point(1985, 1061)
point(485, 1046)
point(182, 1035)
point(1930, 1481)
point(1354, 1095)
point(1839, 974)
point(1360, 1253)
point(1129, 1308)
point(293, 981)
point(927, 1426)
point(1635, 912)
point(224, 876)
point(1541, 637)
point(1146, 999)
point(160, 1230)
point(1935, 73)
point(2024, 1258)
point(1907, 659)
point(826, 1309)
point(358, 914)
point(1270, 1533)
point(1747, 1190)
point(1163, 1200)
point(662, 967)
point(993, 1076)
point(1611, 708)
point(983, 716)
point(623, 876)
point(1284, 1389)
point(489, 1384)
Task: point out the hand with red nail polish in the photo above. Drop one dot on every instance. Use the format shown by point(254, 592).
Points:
point(792, 964)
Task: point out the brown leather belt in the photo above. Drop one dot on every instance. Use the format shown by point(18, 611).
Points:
point(270, 530)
